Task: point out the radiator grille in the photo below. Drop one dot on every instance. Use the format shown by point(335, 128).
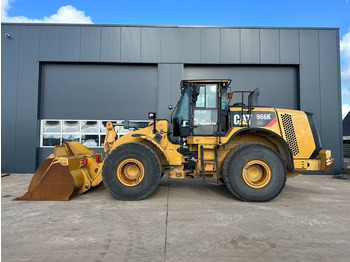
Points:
point(289, 132)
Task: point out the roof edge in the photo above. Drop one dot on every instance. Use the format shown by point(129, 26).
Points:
point(170, 26)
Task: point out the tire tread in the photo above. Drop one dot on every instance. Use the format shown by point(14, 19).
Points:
point(226, 165)
point(119, 150)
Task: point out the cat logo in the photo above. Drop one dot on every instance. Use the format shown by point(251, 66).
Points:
point(238, 122)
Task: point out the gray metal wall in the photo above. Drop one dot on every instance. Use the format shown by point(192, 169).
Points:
point(278, 84)
point(312, 52)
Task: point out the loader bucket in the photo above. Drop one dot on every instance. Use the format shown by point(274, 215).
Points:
point(70, 171)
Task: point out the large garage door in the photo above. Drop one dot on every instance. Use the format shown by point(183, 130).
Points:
point(278, 85)
point(97, 91)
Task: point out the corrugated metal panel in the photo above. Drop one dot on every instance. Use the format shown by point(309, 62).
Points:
point(250, 46)
point(210, 46)
point(27, 99)
point(150, 45)
point(49, 43)
point(170, 49)
point(329, 70)
point(130, 44)
point(70, 43)
point(90, 45)
point(190, 45)
point(289, 46)
point(230, 46)
point(310, 74)
point(170, 76)
point(270, 46)
point(9, 82)
point(110, 44)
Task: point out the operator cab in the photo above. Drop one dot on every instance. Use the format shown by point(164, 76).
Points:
point(202, 108)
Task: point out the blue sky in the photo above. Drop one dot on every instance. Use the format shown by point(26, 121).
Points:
point(294, 13)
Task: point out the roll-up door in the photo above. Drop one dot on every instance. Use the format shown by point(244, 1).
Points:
point(97, 91)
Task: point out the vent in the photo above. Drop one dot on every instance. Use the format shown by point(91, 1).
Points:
point(289, 132)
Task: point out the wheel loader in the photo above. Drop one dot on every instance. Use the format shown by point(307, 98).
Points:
point(219, 135)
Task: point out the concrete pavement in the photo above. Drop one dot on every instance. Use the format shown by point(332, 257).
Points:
point(183, 220)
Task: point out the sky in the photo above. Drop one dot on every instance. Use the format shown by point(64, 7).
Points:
point(280, 13)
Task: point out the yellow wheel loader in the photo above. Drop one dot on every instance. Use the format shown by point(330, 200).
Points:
point(216, 134)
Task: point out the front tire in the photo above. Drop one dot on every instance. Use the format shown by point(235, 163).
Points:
point(131, 172)
point(254, 172)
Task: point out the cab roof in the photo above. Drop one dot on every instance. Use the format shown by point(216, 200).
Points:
point(228, 81)
point(225, 82)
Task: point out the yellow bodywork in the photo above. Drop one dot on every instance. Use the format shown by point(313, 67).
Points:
point(166, 150)
point(293, 140)
point(73, 168)
point(290, 134)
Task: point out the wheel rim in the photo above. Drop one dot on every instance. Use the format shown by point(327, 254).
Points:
point(256, 173)
point(130, 172)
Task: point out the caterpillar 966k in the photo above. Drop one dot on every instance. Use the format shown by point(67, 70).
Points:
point(249, 148)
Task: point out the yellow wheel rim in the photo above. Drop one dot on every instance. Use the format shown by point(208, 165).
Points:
point(256, 173)
point(130, 172)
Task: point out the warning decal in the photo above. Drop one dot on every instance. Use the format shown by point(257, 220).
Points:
point(273, 121)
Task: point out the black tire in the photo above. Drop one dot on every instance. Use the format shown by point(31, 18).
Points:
point(147, 164)
point(254, 172)
point(222, 180)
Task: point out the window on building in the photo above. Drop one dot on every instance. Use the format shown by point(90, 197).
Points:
point(90, 133)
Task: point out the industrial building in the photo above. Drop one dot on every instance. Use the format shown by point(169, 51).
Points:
point(62, 82)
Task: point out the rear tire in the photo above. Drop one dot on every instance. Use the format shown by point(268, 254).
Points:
point(254, 172)
point(131, 172)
